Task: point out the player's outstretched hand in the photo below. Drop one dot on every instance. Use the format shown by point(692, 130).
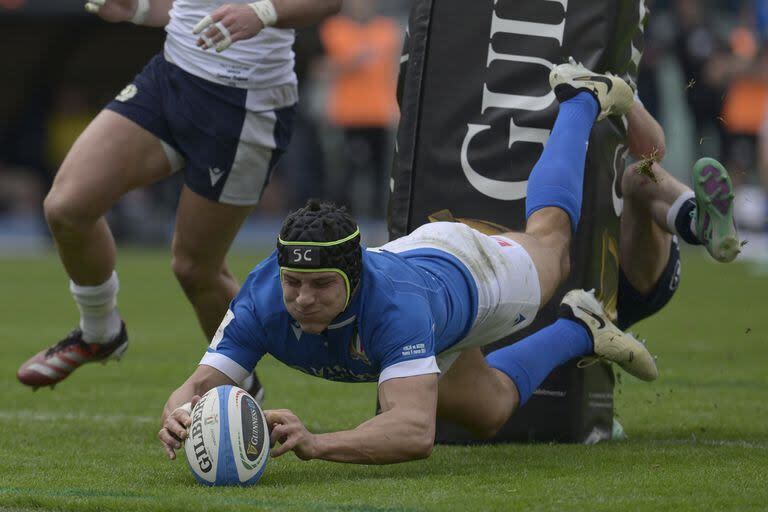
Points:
point(112, 10)
point(174, 429)
point(227, 24)
point(288, 430)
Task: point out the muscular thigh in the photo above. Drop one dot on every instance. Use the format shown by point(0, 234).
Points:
point(205, 229)
point(112, 156)
point(547, 241)
point(643, 246)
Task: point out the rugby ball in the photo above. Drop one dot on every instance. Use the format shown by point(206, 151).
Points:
point(228, 440)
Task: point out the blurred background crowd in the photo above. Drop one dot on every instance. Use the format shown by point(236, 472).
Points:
point(704, 75)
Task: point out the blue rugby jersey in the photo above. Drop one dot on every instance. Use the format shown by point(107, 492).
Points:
point(409, 307)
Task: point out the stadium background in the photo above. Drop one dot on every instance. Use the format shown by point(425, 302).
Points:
point(704, 61)
point(704, 75)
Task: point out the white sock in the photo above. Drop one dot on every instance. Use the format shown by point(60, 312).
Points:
point(674, 210)
point(99, 319)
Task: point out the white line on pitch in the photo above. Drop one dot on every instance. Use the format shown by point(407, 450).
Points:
point(30, 415)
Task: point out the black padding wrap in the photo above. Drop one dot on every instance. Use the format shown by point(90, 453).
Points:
point(321, 236)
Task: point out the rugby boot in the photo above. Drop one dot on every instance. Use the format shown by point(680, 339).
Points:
point(714, 224)
point(613, 94)
point(52, 365)
point(610, 343)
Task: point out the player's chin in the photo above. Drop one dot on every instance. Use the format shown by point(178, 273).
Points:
point(313, 326)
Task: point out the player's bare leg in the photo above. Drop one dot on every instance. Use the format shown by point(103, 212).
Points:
point(111, 157)
point(547, 240)
point(645, 239)
point(480, 392)
point(476, 396)
point(203, 235)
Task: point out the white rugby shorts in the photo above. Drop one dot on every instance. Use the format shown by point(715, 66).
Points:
point(508, 291)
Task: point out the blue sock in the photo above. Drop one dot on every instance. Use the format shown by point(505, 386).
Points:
point(557, 178)
point(529, 361)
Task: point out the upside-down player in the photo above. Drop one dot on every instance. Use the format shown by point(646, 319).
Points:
point(413, 314)
point(222, 118)
point(656, 208)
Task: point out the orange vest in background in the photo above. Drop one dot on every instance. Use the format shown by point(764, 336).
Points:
point(745, 105)
point(364, 59)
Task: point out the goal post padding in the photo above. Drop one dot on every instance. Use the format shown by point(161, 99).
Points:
point(476, 109)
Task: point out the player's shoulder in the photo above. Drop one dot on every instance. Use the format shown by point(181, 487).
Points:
point(390, 287)
point(383, 272)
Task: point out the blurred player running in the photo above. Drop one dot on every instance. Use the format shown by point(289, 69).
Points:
point(421, 307)
point(222, 118)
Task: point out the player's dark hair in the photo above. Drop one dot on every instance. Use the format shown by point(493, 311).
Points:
point(318, 221)
point(321, 236)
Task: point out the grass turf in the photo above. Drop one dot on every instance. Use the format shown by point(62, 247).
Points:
point(698, 438)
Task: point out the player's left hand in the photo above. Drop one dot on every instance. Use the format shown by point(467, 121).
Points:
point(288, 430)
point(227, 24)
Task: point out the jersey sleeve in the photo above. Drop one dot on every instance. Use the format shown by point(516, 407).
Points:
point(239, 342)
point(404, 342)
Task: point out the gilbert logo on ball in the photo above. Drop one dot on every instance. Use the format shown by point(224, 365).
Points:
point(228, 442)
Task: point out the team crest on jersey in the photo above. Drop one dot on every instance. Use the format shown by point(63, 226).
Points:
point(128, 92)
point(356, 350)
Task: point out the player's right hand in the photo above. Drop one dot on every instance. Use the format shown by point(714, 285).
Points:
point(112, 10)
point(175, 425)
point(226, 25)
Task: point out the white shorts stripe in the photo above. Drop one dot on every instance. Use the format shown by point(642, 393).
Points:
point(175, 159)
point(251, 165)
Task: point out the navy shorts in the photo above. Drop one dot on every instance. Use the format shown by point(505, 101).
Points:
point(633, 306)
point(225, 150)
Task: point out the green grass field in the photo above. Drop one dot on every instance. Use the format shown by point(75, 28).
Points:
point(698, 438)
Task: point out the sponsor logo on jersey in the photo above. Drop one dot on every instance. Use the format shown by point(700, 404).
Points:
point(128, 92)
